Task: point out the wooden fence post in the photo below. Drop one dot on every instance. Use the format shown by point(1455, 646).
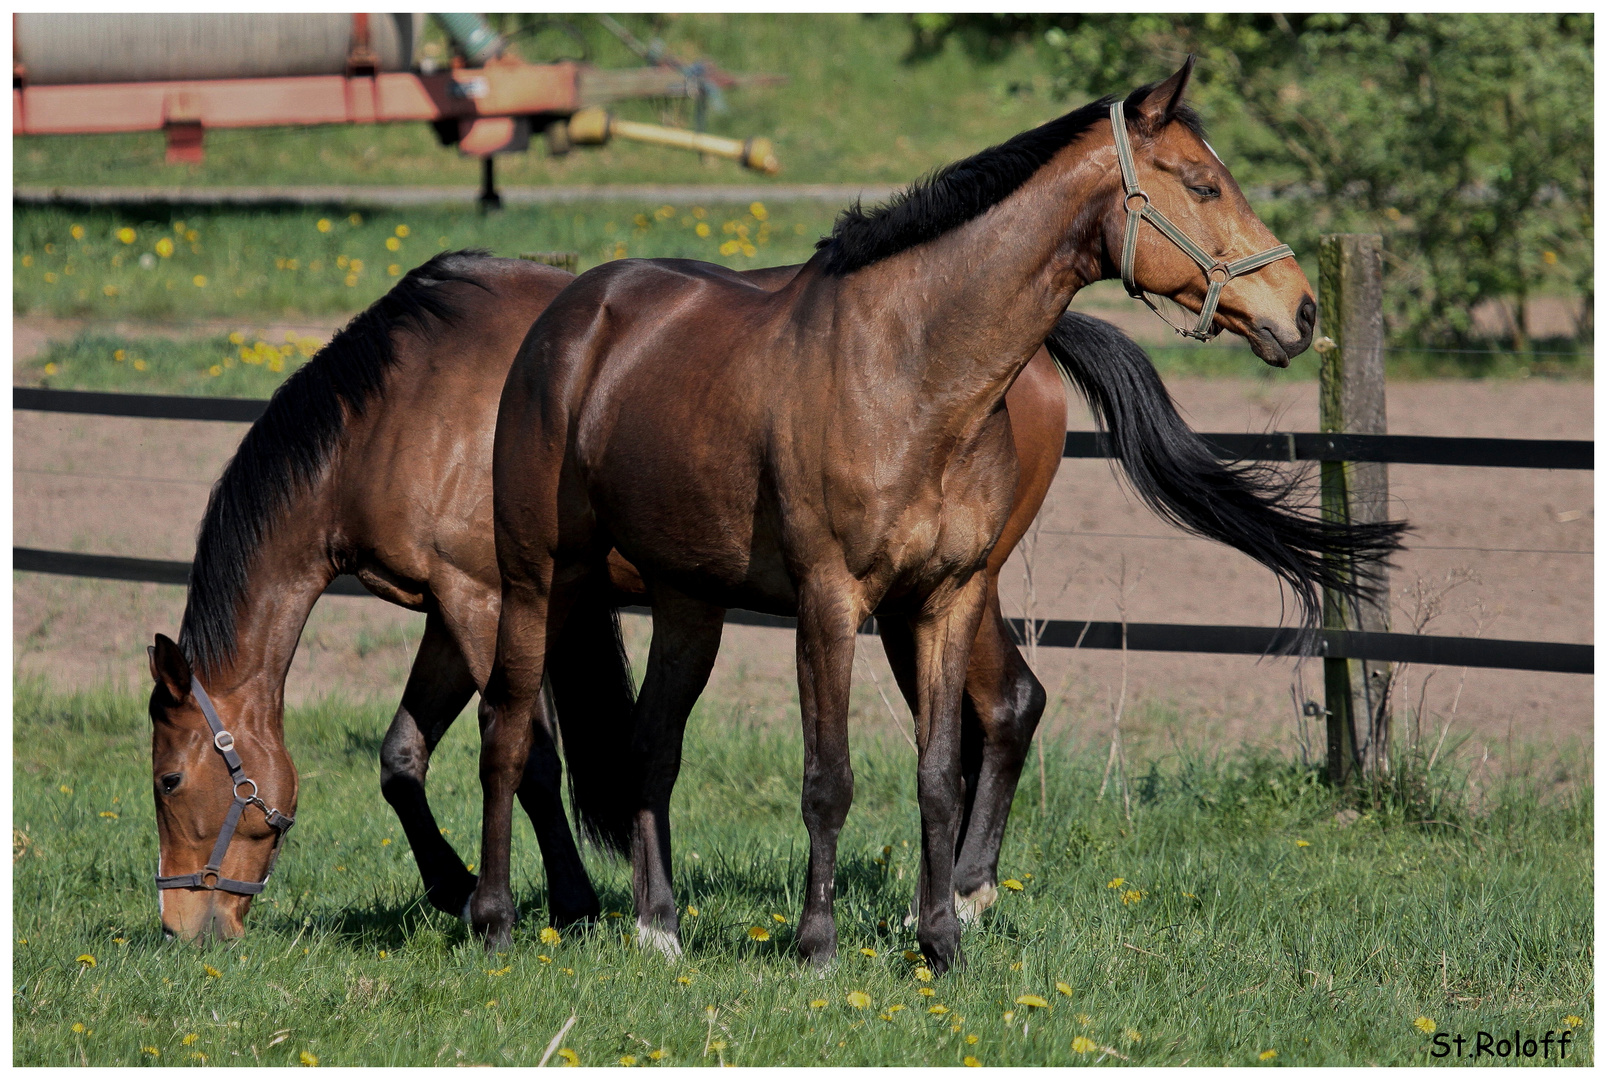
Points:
point(1350, 286)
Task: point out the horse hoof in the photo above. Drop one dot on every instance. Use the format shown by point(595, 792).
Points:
point(970, 908)
point(656, 939)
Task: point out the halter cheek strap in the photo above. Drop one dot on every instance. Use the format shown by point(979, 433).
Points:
point(1138, 207)
point(212, 876)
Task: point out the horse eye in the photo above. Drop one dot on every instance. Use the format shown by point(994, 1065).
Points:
point(170, 781)
point(1205, 192)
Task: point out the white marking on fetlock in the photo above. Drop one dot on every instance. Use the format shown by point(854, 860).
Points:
point(656, 938)
point(468, 920)
point(970, 908)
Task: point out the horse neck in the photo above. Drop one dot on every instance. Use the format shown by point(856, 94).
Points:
point(966, 312)
point(288, 574)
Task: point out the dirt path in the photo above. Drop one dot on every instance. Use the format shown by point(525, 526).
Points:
point(135, 487)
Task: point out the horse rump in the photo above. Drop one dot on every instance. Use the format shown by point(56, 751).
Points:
point(1270, 515)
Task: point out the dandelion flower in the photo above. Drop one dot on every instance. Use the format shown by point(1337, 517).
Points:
point(1009, 1016)
point(1012, 884)
point(78, 1029)
point(972, 1063)
point(211, 972)
point(923, 973)
point(215, 370)
point(87, 960)
point(1268, 1055)
point(566, 971)
point(27, 260)
point(1084, 1019)
point(927, 991)
point(199, 281)
point(859, 999)
point(109, 814)
point(324, 225)
point(392, 244)
point(702, 229)
point(140, 365)
point(77, 232)
point(657, 1055)
point(1302, 843)
point(125, 234)
point(1425, 1025)
point(1573, 1021)
point(1082, 1044)
point(50, 369)
point(758, 933)
point(499, 972)
point(190, 1039)
point(971, 1040)
point(403, 231)
point(164, 247)
point(545, 959)
point(895, 1008)
point(779, 918)
point(355, 219)
point(151, 1050)
point(819, 1003)
point(1064, 988)
point(1132, 896)
point(1116, 883)
point(867, 952)
point(1032, 1000)
point(385, 842)
point(109, 290)
point(394, 270)
point(1016, 966)
point(758, 211)
point(308, 1058)
point(628, 1060)
point(50, 279)
point(1132, 1035)
point(691, 911)
point(685, 980)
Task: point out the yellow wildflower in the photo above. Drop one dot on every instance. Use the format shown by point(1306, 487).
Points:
point(549, 936)
point(657, 1055)
point(385, 842)
point(151, 1050)
point(394, 270)
point(164, 247)
point(1132, 1035)
point(685, 980)
point(859, 999)
point(1302, 843)
point(1116, 883)
point(1082, 1044)
point(355, 219)
point(1012, 884)
point(50, 369)
point(938, 1010)
point(1016, 966)
point(140, 365)
point(691, 911)
point(566, 971)
point(403, 231)
point(499, 972)
point(199, 281)
point(308, 1058)
point(211, 972)
point(1009, 1016)
point(544, 958)
point(1033, 1001)
point(189, 1040)
point(1132, 896)
point(324, 225)
point(628, 1060)
point(1064, 988)
point(215, 370)
point(1268, 1055)
point(758, 211)
point(702, 228)
point(819, 1003)
point(927, 991)
point(1425, 1025)
point(970, 1040)
point(78, 1029)
point(895, 1008)
point(867, 952)
point(1573, 1021)
point(125, 234)
point(782, 919)
point(109, 290)
point(923, 973)
point(971, 1062)
point(87, 960)
point(27, 260)
point(77, 232)
point(50, 279)
point(758, 933)
point(192, 236)
point(730, 247)
point(392, 244)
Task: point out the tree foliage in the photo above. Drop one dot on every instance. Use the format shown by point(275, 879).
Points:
point(1465, 140)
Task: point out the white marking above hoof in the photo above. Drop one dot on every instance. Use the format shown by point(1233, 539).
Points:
point(969, 908)
point(657, 939)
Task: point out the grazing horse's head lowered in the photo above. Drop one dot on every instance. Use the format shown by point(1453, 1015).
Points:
point(222, 805)
point(1181, 227)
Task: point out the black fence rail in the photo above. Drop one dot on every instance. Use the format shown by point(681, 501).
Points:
point(1273, 446)
point(1052, 633)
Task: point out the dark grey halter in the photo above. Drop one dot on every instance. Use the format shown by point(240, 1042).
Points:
point(1217, 272)
point(212, 876)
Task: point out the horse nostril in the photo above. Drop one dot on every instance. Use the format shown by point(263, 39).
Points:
point(1306, 316)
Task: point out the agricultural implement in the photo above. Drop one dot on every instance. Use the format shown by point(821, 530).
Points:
point(185, 74)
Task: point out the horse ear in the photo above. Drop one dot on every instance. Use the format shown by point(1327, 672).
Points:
point(1159, 106)
point(169, 668)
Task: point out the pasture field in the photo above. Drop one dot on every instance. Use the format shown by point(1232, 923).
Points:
point(1233, 918)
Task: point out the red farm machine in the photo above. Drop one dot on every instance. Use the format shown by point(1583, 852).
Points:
point(183, 74)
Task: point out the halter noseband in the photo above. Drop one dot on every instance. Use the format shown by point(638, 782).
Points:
point(1217, 272)
point(212, 876)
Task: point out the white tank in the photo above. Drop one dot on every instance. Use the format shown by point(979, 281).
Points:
point(56, 49)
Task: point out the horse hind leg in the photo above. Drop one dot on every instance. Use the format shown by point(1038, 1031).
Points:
point(1006, 701)
point(438, 687)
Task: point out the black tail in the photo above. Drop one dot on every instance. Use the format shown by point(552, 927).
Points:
point(1267, 515)
point(590, 675)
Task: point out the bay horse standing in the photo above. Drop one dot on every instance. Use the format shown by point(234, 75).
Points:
point(832, 449)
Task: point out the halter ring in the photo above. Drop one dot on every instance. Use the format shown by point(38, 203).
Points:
point(223, 741)
point(1128, 202)
point(1227, 274)
point(216, 877)
point(252, 798)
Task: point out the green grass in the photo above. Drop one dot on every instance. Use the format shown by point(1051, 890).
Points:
point(850, 111)
point(1235, 939)
point(206, 265)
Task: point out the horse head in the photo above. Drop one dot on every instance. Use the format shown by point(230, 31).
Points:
point(1185, 230)
point(214, 773)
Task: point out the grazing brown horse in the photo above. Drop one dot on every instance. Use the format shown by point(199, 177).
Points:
point(374, 459)
point(832, 449)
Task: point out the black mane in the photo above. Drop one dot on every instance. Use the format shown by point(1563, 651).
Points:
point(962, 190)
point(288, 448)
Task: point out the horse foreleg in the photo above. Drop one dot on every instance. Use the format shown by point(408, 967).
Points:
point(943, 637)
point(438, 687)
point(686, 640)
point(1005, 700)
point(827, 620)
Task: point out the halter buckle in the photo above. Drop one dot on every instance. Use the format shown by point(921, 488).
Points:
point(224, 741)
